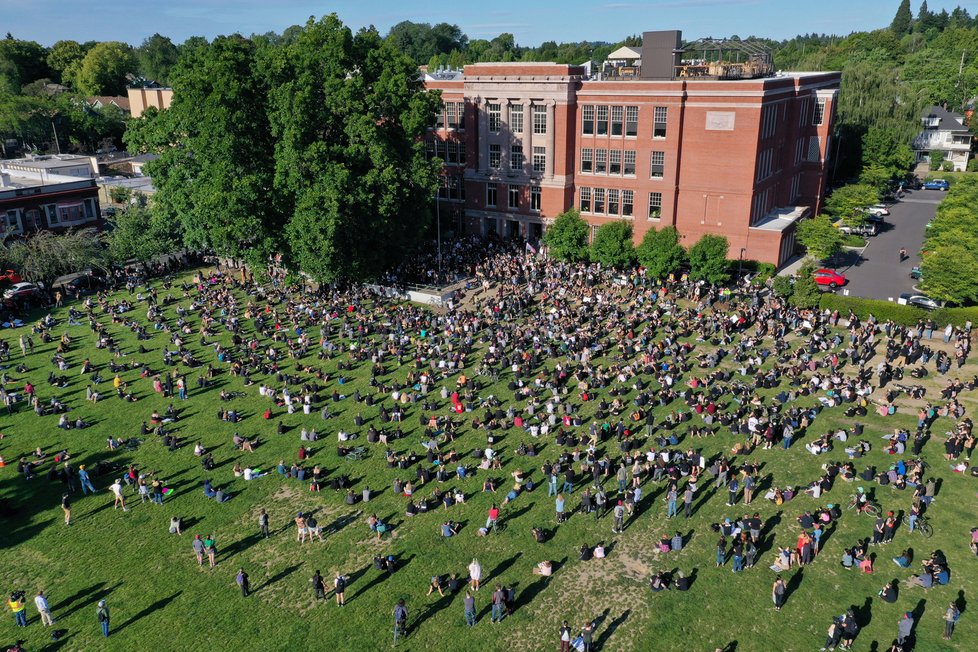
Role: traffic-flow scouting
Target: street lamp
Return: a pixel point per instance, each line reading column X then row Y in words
column 438, row 224
column 740, row 263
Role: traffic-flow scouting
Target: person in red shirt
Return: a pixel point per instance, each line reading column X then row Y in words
column 493, row 517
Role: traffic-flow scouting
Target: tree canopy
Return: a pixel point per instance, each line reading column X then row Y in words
column 566, row 238
column 708, row 259
column 660, row 252
column 820, row 237
column 848, row 203
column 612, row 246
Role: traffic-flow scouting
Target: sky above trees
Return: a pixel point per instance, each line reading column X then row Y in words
column 47, row 21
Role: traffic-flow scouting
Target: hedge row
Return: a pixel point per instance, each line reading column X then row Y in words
column 889, row 310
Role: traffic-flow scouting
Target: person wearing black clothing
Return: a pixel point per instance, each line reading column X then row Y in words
column 889, row 592
column 318, row 587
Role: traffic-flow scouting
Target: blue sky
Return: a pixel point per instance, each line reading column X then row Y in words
column 531, row 22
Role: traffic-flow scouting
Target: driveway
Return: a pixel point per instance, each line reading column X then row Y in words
column 875, row 271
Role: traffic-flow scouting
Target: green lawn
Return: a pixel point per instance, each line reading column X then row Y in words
column 161, row 600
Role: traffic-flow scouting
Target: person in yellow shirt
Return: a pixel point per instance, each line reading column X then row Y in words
column 116, row 382
column 18, row 608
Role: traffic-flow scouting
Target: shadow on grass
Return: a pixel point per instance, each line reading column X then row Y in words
column 599, row 643
column 156, row 606
column 281, row 575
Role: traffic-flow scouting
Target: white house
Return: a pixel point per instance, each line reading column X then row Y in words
column 944, row 131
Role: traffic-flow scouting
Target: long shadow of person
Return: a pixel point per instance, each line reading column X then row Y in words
column 156, row 606
column 600, row 642
column 793, row 584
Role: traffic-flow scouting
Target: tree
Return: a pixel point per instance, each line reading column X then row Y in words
column 950, row 273
column 612, row 246
column 903, row 19
column 46, row 255
column 885, row 147
column 137, row 236
column 936, row 159
column 660, row 252
column 820, row 237
column 566, row 238
column 805, row 293
column 156, row 57
column 782, row 286
column 848, row 203
column 105, row 69
column 64, row 59
column 120, row 194
column 21, row 62
column 213, row 177
column 348, row 114
column 708, row 259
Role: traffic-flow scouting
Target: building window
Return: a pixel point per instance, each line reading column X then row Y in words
column 631, row 121
column 602, row 121
column 594, row 232
column 627, row 203
column 818, row 113
column 539, row 119
column 516, row 157
column 460, row 109
column 450, row 113
column 431, row 149
column 599, row 200
column 655, row 205
column 452, row 153
column 461, row 152
column 658, row 168
column 659, row 122
column 494, row 117
column 612, row 202
column 51, row 210
column 614, row 161
column 513, row 197
column 494, row 156
column 539, row 159
column 588, row 120
column 587, row 163
column 534, row 198
column 516, row 118
column 814, row 150
column 491, row 194
column 600, row 161
column 617, row 115
column 13, row 220
column 585, row 200
column 629, row 162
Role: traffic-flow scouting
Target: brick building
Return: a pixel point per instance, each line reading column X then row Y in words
column 47, row 193
column 707, row 146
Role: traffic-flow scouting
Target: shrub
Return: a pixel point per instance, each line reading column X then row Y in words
column 882, row 310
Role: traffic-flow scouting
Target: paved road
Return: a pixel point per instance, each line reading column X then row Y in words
column 875, row 271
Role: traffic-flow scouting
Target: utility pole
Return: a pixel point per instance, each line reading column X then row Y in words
column 56, row 143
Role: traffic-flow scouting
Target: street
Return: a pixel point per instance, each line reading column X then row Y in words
column 875, row 272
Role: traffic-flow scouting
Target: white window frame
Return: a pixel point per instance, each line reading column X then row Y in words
column 657, row 160
column 516, row 118
column 655, row 205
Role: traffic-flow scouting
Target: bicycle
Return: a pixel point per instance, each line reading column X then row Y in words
column 868, row 508
column 921, row 525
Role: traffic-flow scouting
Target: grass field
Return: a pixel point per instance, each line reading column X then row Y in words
column 161, row 600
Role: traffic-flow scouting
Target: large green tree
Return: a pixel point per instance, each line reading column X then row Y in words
column 612, row 246
column 21, row 62
column 156, row 57
column 820, row 237
column 64, row 58
column 903, row 19
column 347, row 114
column 105, row 69
column 660, row 252
column 848, row 203
column 566, row 238
column 136, row 235
column 214, row 177
column 47, row 255
column 708, row 259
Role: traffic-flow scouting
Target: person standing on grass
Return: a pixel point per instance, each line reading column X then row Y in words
column 493, row 518
column 498, row 602
column 777, row 593
column 18, row 609
column 116, row 489
column 301, row 529
column 475, row 574
column 85, row 481
column 242, row 580
column 469, row 604
column 102, row 615
column 199, row 549
column 671, row 497
column 559, row 504
column 951, row 617
column 904, row 628
column 263, row 523
column 44, row 609
column 318, row 586
column 619, row 513
column 400, row 620
column 565, row 637
column 339, row 588
column 66, row 507
column 210, row 547
column 688, row 500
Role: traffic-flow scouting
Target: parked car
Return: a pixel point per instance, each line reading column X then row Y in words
column 865, row 230
column 916, row 273
column 918, row 301
column 876, row 218
column 936, row 184
column 10, row 276
column 829, row 278
column 21, row 290
column 878, row 209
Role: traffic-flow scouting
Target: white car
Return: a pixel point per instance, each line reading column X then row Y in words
column 21, row 290
column 878, row 209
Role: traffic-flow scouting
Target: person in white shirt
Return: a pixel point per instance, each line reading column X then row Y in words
column 44, row 609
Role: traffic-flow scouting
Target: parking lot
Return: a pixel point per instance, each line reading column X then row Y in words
column 876, row 272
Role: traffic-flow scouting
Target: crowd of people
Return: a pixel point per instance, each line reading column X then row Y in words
column 621, row 379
